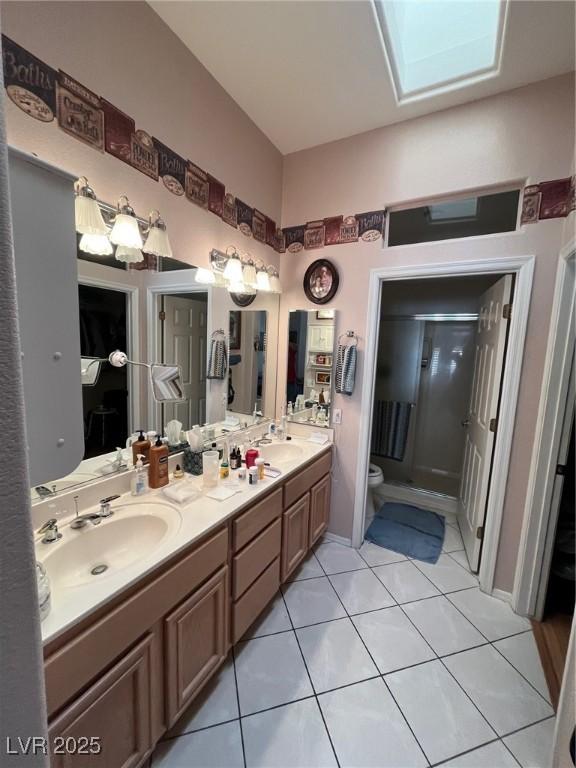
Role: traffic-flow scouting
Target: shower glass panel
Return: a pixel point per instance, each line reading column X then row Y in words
column 427, row 362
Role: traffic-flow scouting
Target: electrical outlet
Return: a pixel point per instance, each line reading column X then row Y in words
column 337, row 416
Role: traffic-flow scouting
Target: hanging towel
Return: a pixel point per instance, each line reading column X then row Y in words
column 345, row 368
column 218, row 359
column 390, row 429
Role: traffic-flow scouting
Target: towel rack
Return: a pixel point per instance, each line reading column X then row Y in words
column 349, row 335
column 217, row 332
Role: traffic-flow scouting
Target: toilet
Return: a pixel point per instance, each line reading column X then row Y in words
column 375, row 479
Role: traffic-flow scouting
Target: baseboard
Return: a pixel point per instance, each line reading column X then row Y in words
column 501, row 594
column 338, row 539
column 433, row 501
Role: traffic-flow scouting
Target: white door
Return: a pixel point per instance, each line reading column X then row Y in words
column 184, row 343
column 481, row 422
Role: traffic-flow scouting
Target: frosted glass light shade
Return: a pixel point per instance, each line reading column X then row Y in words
column 157, row 243
column 262, row 280
column 249, row 275
column 88, row 216
column 128, row 255
column 238, row 287
column 97, row 245
column 125, row 232
column 233, row 270
column 204, row 276
column 275, row 284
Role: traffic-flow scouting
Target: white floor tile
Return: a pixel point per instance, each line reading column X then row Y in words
column 461, row 558
column 293, row 736
column 493, row 617
column 367, row 728
column 375, row 555
column 270, row 671
column 392, row 640
column 446, row 574
column 493, row 755
column 337, row 558
column 312, row 601
column 502, row 695
column 405, row 582
column 274, row 619
column 335, row 655
column 452, row 540
column 532, row 747
column 310, row 568
column 443, row 719
column 217, row 747
column 216, row 703
column 522, row 652
column 361, row 591
column 443, row 626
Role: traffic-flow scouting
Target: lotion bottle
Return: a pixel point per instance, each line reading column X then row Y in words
column 158, row 469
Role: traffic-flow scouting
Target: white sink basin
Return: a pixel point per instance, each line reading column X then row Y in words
column 95, row 552
column 278, row 452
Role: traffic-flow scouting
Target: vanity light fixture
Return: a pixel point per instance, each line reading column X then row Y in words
column 157, row 242
column 249, row 274
column 87, row 212
column 205, row 276
column 274, row 279
column 129, row 255
column 97, row 245
column 233, row 268
column 125, row 231
column 262, row 279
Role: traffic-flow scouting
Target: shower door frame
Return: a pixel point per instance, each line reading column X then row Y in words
column 522, row 267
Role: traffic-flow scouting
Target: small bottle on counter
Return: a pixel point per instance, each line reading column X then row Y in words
column 259, row 464
column 253, row 475
column 178, row 473
column 224, row 470
column 138, row 481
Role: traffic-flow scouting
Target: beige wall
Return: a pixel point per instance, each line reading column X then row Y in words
column 124, row 52
column 523, row 135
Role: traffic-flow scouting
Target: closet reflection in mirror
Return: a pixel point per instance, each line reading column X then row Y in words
column 309, row 379
column 246, row 362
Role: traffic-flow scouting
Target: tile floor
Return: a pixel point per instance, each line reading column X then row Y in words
column 366, row 659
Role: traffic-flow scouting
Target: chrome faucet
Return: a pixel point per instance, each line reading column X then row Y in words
column 43, row 491
column 50, row 531
column 95, row 517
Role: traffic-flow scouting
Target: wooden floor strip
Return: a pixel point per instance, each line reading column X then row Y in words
column 552, row 636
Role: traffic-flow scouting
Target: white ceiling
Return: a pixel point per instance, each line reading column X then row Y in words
column 314, row 71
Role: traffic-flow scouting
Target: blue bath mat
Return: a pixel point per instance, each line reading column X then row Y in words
column 408, row 530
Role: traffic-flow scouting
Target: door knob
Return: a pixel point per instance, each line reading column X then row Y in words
column 465, row 422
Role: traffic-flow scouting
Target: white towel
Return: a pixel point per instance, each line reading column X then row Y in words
column 181, row 492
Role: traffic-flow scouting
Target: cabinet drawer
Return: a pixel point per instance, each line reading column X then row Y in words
column 250, row 523
column 79, row 661
column 196, row 642
column 116, row 711
column 255, row 599
column 302, row 483
column 254, row 558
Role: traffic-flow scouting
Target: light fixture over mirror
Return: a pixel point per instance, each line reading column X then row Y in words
column 87, row 212
column 126, row 231
column 157, row 242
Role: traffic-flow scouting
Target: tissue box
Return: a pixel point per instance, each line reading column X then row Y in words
column 192, row 461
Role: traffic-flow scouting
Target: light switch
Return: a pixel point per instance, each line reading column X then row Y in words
column 337, row 416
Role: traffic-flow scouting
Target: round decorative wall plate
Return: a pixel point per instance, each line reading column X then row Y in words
column 321, row 281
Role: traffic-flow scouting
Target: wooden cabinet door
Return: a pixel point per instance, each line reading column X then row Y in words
column 319, row 509
column 295, row 535
column 196, row 642
column 115, row 711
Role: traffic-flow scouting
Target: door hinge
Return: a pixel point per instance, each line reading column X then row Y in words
column 162, row 315
column 480, row 532
column 493, row 425
column 507, row 311
column 561, row 469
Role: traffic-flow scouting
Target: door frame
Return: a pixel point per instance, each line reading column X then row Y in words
column 100, row 276
column 538, row 516
column 168, row 283
column 523, row 269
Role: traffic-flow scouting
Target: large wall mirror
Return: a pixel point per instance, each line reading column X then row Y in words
column 310, row 365
column 164, row 316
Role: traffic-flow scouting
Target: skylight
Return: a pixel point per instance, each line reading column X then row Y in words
column 433, row 44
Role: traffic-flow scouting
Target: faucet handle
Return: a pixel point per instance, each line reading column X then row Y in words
column 49, row 525
column 105, row 509
column 50, row 531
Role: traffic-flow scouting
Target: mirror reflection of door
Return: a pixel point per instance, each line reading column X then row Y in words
column 184, row 330
column 105, row 405
column 247, row 361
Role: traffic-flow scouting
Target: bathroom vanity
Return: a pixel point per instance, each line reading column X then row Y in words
column 125, row 669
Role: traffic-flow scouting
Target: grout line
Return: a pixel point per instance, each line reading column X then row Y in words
column 238, row 704
column 311, row 681
column 520, row 673
column 470, row 751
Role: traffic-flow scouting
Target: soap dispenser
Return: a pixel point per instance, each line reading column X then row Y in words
column 158, row 469
column 141, row 446
column 138, row 482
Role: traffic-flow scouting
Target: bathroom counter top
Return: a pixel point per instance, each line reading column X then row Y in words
column 199, row 517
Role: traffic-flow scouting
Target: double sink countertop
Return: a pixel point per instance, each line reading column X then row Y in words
column 143, row 533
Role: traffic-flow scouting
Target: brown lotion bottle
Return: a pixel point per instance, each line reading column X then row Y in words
column 141, row 446
column 158, row 469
